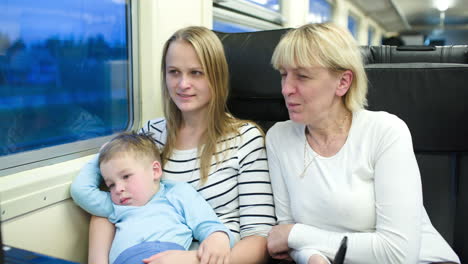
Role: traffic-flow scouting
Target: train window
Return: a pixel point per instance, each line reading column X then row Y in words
column 272, row 5
column 370, row 35
column 65, row 73
column 228, row 27
column 352, row 25
column 319, row 11
column 246, row 15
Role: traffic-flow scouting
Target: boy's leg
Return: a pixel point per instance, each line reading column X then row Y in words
column 144, row 250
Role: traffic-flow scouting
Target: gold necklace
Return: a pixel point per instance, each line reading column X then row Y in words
column 314, row 157
column 306, row 155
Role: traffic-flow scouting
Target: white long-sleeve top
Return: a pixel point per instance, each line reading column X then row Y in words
column 369, row 191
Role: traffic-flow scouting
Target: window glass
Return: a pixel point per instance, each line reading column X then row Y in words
column 352, row 25
column 319, row 11
column 246, row 15
column 64, row 72
column 272, row 5
column 231, row 27
column 370, row 35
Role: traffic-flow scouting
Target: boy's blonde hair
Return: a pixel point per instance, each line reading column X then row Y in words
column 140, row 145
column 329, row 46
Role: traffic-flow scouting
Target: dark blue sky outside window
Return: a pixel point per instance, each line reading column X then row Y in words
column 64, row 70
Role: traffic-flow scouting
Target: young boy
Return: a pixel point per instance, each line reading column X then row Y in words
column 150, row 216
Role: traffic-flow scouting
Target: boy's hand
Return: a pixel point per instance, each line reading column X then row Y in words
column 215, row 249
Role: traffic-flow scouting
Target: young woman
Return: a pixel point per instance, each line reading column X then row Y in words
column 222, row 157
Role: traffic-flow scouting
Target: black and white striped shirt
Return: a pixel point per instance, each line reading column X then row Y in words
column 238, row 188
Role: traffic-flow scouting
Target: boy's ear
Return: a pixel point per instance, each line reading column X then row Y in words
column 157, row 170
column 346, row 79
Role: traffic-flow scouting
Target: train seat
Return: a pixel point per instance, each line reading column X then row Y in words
column 424, row 86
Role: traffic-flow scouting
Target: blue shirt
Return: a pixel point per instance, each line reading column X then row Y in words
column 176, row 213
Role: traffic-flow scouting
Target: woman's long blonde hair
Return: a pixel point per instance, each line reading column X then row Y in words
column 210, row 52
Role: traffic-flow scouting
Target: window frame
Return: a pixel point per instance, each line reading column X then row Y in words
column 27, row 160
column 223, row 15
column 250, row 14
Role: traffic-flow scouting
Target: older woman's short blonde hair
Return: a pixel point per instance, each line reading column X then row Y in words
column 329, row 46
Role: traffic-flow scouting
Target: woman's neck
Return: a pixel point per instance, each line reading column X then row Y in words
column 191, row 131
column 326, row 137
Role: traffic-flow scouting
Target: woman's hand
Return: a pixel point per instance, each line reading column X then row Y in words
column 173, row 256
column 278, row 241
column 215, row 249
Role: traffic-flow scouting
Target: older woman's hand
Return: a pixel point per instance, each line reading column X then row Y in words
column 278, row 241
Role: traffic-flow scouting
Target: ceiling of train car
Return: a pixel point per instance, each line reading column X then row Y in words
column 418, row 15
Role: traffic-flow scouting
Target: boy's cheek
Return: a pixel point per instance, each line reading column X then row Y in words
column 114, row 198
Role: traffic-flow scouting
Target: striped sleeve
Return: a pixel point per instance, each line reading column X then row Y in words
column 157, row 129
column 256, row 206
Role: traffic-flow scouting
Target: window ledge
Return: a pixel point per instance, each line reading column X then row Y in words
column 30, row 190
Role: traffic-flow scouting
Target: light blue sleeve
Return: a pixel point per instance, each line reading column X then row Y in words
column 198, row 214
column 85, row 190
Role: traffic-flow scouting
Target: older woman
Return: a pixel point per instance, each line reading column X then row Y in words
column 338, row 170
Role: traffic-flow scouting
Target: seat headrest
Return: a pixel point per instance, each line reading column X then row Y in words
column 249, row 56
column 255, row 87
column 393, row 54
column 429, row 97
column 421, row 86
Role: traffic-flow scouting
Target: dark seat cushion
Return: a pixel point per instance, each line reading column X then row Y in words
column 429, row 97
